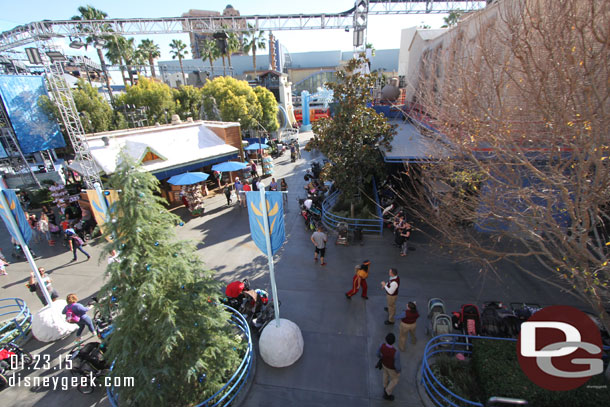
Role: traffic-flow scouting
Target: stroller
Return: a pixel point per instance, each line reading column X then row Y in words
column 439, row 322
column 88, row 361
column 498, row 321
column 342, row 234
column 467, row 320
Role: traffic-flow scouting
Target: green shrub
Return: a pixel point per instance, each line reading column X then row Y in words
column 40, row 197
column 499, row 374
column 458, row 376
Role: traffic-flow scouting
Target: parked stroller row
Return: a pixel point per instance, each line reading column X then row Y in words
column 495, row 320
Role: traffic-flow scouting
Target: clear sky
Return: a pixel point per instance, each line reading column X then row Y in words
column 383, row 31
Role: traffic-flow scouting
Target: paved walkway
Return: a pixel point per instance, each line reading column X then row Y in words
column 341, row 336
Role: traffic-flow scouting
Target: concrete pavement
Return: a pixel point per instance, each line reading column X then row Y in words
column 341, row 336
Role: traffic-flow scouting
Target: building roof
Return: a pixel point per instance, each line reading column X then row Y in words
column 172, row 146
column 319, row 59
column 427, row 35
column 410, row 145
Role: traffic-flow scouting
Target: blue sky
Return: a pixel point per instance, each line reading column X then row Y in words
column 384, row 31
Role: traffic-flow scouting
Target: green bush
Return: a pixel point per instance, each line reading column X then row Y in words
column 40, row 197
column 499, row 374
column 458, row 376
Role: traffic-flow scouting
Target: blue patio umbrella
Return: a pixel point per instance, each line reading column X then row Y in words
column 256, row 146
column 229, row 166
column 188, row 178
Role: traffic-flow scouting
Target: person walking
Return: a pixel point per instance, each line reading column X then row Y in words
column 408, row 325
column 227, row 192
column 3, row 264
column 253, row 169
column 75, row 243
column 319, row 239
column 284, row 189
column 405, row 233
column 390, row 364
column 43, row 227
column 48, row 284
column 359, row 280
column 79, row 316
column 246, row 188
column 391, row 291
column 239, row 190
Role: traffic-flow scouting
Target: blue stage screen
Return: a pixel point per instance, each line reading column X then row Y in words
column 35, row 131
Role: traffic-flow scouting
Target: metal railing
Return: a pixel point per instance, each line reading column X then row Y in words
column 330, row 220
column 449, row 344
column 227, row 394
column 15, row 317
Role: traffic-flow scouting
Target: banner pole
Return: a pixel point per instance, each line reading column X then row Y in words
column 13, row 224
column 276, row 305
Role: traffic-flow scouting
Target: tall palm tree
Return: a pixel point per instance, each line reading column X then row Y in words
column 130, row 57
column 179, row 51
column 90, row 13
column 151, row 51
column 115, row 52
column 209, row 51
column 233, row 45
column 254, row 40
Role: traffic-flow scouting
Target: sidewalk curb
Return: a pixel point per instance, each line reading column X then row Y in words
column 421, row 391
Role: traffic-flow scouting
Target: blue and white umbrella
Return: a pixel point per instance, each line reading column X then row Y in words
column 256, row 146
column 188, row 178
column 229, row 166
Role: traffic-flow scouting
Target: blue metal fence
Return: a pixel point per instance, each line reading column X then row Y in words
column 225, row 396
column 330, row 220
column 15, row 320
column 451, row 344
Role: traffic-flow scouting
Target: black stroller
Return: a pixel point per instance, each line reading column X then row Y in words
column 88, row 361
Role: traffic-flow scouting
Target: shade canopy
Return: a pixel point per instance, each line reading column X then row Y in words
column 256, row 146
column 188, row 178
column 229, row 166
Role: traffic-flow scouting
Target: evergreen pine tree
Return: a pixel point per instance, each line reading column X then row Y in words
column 171, row 335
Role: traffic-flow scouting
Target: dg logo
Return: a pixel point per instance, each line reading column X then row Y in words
column 560, row 348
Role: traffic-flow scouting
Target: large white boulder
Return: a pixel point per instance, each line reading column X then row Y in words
column 282, row 345
column 49, row 324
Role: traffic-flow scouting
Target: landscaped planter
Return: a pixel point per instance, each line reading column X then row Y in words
column 495, row 371
column 15, row 320
column 331, row 219
column 230, row 392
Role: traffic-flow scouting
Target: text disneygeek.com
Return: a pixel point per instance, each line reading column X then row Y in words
column 66, row 382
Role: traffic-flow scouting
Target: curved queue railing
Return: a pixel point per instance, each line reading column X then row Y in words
column 15, row 320
column 330, row 220
column 449, row 344
column 452, row 344
column 227, row 394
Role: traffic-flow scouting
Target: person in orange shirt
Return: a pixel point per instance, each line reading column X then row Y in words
column 359, row 280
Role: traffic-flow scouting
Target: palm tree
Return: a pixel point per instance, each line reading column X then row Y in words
column 233, row 45
column 128, row 48
column 150, row 50
column 115, row 52
column 254, row 40
column 90, row 13
column 179, row 51
column 209, row 51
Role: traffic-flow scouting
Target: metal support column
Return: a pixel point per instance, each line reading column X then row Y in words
column 62, row 96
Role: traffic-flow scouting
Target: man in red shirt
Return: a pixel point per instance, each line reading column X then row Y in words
column 408, row 325
column 390, row 361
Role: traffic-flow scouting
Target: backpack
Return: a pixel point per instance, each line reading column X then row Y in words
column 71, row 317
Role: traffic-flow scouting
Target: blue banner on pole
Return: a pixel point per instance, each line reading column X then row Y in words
column 18, row 214
column 275, row 214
